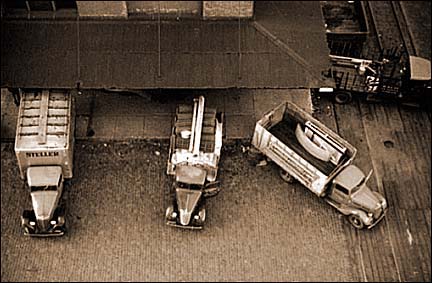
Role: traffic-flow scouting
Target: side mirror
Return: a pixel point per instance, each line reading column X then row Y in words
column 368, row 176
column 212, row 184
column 211, row 189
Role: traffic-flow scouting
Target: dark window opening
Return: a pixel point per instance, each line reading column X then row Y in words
column 10, row 4
column 41, row 5
column 66, row 4
column 342, row 189
column 43, row 188
column 36, row 9
column 60, row 181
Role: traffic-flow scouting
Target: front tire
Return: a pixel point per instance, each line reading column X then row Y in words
column 201, row 217
column 356, row 221
column 169, row 213
column 343, row 97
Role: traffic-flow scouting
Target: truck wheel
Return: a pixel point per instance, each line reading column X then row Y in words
column 202, row 214
column 342, row 97
column 286, row 176
column 25, row 222
column 356, row 221
column 169, row 213
column 200, row 217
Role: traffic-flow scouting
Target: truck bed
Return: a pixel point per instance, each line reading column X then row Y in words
column 183, row 121
column 44, row 121
column 344, row 17
column 45, row 130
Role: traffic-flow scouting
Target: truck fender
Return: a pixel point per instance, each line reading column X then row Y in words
column 363, row 216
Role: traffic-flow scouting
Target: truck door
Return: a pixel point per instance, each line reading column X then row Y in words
column 339, row 194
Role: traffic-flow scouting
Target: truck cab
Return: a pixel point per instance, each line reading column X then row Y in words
column 417, row 81
column 350, row 194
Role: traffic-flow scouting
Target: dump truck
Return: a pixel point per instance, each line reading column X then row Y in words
column 380, row 80
column 194, row 153
column 309, row 152
column 44, row 149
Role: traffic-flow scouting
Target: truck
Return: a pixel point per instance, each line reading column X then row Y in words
column 380, row 80
column 347, row 27
column 194, row 153
column 309, row 152
column 44, row 144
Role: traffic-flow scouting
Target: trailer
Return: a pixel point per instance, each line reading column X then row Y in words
column 44, row 149
column 309, row 152
column 194, row 153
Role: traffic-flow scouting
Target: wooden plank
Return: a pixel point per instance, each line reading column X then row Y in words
column 412, row 240
column 399, row 145
column 373, row 249
column 43, row 117
column 324, row 111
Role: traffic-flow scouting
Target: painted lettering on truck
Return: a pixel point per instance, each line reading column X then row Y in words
column 42, row 154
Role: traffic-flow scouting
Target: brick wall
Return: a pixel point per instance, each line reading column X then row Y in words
column 227, row 9
column 174, row 8
column 106, row 9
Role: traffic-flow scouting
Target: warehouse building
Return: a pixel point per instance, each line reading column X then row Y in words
column 162, row 44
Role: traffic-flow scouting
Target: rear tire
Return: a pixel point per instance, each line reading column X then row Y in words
column 286, row 176
column 342, row 97
column 356, row 221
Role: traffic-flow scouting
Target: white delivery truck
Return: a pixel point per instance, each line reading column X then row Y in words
column 319, row 159
column 44, row 149
column 194, row 153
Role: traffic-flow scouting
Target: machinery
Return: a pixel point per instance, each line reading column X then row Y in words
column 319, row 159
column 195, row 148
column 380, row 80
column 44, row 149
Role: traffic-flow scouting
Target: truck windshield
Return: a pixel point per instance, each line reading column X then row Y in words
column 43, row 188
column 188, row 186
column 357, row 188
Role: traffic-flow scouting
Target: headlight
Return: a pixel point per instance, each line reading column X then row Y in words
column 174, row 214
column 370, row 215
column 384, row 203
column 196, row 217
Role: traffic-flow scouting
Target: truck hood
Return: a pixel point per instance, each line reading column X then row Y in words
column 365, row 198
column 186, row 203
column 44, row 204
column 420, row 69
column 43, row 175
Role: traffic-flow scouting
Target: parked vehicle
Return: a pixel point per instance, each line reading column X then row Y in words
column 195, row 148
column 346, row 25
column 319, row 159
column 44, row 149
column 378, row 81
